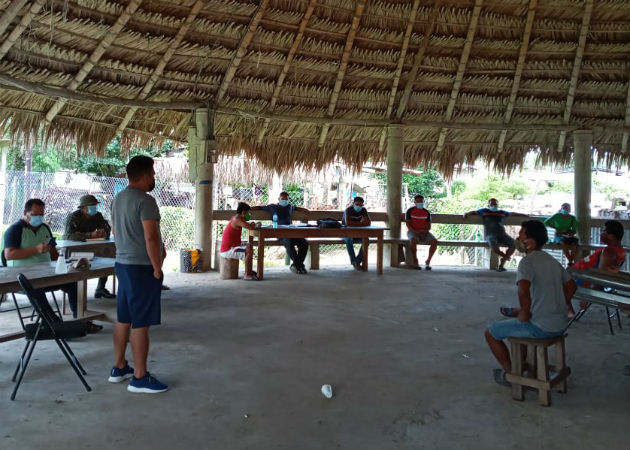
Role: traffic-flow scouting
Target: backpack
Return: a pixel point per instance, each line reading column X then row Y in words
column 328, row 223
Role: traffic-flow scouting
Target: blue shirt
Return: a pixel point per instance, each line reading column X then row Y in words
column 493, row 221
column 285, row 213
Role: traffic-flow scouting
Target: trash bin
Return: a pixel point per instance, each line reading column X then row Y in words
column 189, row 260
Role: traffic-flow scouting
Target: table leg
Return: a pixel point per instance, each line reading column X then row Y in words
column 81, row 298
column 365, row 245
column 379, row 254
column 261, row 257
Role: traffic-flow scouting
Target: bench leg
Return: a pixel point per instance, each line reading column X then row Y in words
column 517, row 369
column 542, row 372
column 561, row 364
column 314, row 251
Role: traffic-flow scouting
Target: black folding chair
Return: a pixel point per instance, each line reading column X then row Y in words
column 47, row 326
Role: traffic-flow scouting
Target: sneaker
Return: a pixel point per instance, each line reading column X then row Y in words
column 146, row 385
column 302, row 270
column 117, row 375
column 293, row 269
column 102, row 292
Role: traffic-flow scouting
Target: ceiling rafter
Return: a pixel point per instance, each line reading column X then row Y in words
column 161, row 65
column 95, row 57
column 241, row 50
column 285, row 68
column 461, row 69
column 527, row 33
column 399, row 67
column 358, row 12
column 15, row 34
column 9, row 14
column 575, row 72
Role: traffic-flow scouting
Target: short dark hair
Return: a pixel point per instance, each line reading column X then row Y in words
column 284, row 193
column 615, row 228
column 36, row 201
column 139, row 165
column 536, row 230
column 242, row 206
column 358, row 199
column 491, row 199
column 419, row 196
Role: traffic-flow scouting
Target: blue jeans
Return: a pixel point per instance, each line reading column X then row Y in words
column 350, row 247
column 504, row 329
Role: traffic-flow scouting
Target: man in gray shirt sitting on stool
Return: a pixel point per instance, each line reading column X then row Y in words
column 545, row 290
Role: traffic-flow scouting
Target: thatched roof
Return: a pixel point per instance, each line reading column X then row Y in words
column 310, row 81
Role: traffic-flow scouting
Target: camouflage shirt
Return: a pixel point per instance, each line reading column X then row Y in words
column 80, row 228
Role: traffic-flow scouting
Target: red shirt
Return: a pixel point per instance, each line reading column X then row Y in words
column 420, row 218
column 231, row 236
column 592, row 260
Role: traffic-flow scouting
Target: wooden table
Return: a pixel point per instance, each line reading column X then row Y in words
column 43, row 275
column 297, row 232
column 105, row 248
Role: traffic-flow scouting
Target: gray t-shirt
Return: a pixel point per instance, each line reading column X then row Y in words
column 129, row 208
column 549, row 310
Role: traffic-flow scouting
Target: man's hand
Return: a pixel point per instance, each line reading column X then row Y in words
column 97, row 234
column 157, row 274
column 524, row 315
column 465, row 216
column 42, row 248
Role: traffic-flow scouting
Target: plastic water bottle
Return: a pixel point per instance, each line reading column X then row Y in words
column 275, row 220
column 61, row 266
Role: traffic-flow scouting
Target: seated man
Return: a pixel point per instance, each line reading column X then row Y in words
column 565, row 225
column 87, row 223
column 418, row 220
column 231, row 244
column 284, row 211
column 30, row 241
column 494, row 230
column 355, row 216
column 545, row 290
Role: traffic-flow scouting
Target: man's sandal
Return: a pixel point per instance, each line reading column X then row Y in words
column 93, row 328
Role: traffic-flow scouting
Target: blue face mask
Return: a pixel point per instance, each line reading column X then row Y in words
column 493, row 208
column 92, row 210
column 565, row 211
column 283, row 202
column 357, row 208
column 419, row 205
column 36, row 221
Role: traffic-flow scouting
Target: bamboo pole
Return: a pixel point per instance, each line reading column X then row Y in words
column 9, row 14
column 582, row 158
column 575, row 71
column 20, row 27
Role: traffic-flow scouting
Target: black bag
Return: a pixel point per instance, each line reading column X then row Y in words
column 328, row 223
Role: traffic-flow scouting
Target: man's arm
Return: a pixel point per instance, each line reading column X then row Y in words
column 470, row 213
column 104, row 225
column 569, row 288
column 154, row 245
column 516, row 214
column 525, row 300
column 21, row 253
column 243, row 224
column 303, row 210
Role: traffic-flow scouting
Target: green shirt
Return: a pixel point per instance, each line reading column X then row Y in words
column 79, row 228
column 20, row 235
column 562, row 223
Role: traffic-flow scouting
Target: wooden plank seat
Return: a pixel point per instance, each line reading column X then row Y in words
column 536, row 372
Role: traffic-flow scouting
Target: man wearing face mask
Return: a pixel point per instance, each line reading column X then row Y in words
column 30, row 241
column 296, row 248
column 545, row 290
column 88, row 223
column 418, row 220
column 565, row 225
column 494, row 230
column 232, row 247
column 355, row 216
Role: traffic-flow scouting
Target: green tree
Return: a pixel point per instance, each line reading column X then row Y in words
column 430, row 183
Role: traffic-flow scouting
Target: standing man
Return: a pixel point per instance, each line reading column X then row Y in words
column 88, row 223
column 565, row 225
column 494, row 230
column 418, row 220
column 296, row 248
column 545, row 290
column 139, row 257
column 355, row 216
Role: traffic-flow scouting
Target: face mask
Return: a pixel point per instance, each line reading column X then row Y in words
column 520, row 246
column 357, row 208
column 493, row 208
column 283, row 202
column 419, row 205
column 248, row 216
column 36, row 221
column 92, row 210
column 565, row 211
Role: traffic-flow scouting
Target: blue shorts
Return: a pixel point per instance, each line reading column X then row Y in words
column 504, row 329
column 503, row 240
column 139, row 295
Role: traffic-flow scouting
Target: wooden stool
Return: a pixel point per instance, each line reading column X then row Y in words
column 538, row 367
column 229, row 269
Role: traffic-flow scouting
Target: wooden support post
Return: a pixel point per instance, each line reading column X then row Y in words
column 394, row 186
column 204, row 186
column 582, row 158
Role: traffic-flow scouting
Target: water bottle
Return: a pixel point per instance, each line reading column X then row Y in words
column 61, row 266
column 275, row 220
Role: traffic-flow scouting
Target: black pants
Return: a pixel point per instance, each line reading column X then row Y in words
column 71, row 290
column 101, row 283
column 298, row 256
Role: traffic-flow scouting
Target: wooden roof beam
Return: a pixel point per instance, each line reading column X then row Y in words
column 161, row 65
column 527, row 33
column 15, row 34
column 358, row 12
column 9, row 14
column 575, row 72
column 285, row 68
column 241, row 50
column 399, row 67
column 95, row 56
column 461, row 69
column 413, row 73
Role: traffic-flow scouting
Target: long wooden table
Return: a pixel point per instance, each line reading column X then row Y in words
column 297, row 232
column 43, row 275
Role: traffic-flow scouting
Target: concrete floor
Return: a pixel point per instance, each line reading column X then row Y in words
column 245, row 361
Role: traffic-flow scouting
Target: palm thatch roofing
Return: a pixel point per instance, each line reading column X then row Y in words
column 308, row 82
